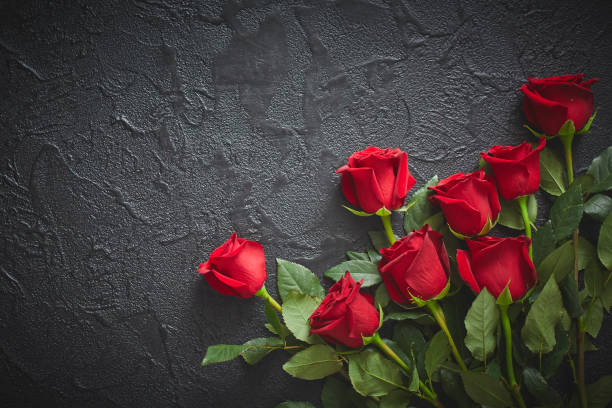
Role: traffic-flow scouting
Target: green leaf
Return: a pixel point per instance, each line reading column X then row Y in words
column 421, row 208
column 357, row 256
column 408, row 316
column 552, row 360
column 222, row 352
column 604, row 243
column 292, row 276
column 486, row 390
column 600, row 393
column 593, row 319
column 606, row 294
column 359, row 270
column 295, row 404
column 553, row 176
column 559, row 263
column 274, row 321
column 571, row 297
column 566, row 213
column 438, row 351
column 374, row 256
column 372, row 375
column 586, row 253
column 296, row 312
column 453, row 387
column 358, row 212
column 543, row 242
column 598, row 207
column 481, row 325
column 339, row 394
column 538, row 333
column 510, row 215
column 396, row 399
column 594, row 279
column 538, row 387
column 567, row 129
column 259, row 348
column 314, row 363
column 381, row 296
column 411, row 341
column 601, row 170
column 379, row 239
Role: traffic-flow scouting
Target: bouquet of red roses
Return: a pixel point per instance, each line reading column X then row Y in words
column 478, row 319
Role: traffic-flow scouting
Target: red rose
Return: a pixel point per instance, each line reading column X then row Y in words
column 469, row 202
column 416, row 265
column 236, row 268
column 345, row 314
column 550, row 102
column 493, row 263
column 375, row 178
column 516, row 168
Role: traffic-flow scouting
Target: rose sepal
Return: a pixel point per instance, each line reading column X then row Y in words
column 407, row 207
column 421, row 303
column 383, row 212
column 538, row 134
column 485, row 228
column 358, row 212
column 368, row 340
column 587, row 126
column 505, row 298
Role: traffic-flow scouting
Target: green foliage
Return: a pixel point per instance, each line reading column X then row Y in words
column 601, row 171
column 395, row 399
column 314, row 363
column 538, row 333
column 604, row 244
column 543, row 242
column 379, row 239
column 359, row 270
column 295, row 404
column 339, row 394
column 600, row 392
column 510, row 215
column 452, row 385
column 296, row 312
column 552, row 360
column 593, row 318
column 222, row 352
column 259, row 348
column 553, row 176
column 598, row 207
column 292, row 276
column 274, row 321
column 372, row 375
column 481, row 324
column 559, row 263
column 538, row 387
column 566, row 213
column 420, row 207
column 438, row 351
column 409, row 315
column 486, row 390
column 410, row 339
column 381, row 296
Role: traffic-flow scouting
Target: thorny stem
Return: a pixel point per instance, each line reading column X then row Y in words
column 438, row 314
column 263, row 293
column 509, row 363
column 386, row 220
column 522, row 202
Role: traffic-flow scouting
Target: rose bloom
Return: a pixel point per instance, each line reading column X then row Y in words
column 550, row 102
column 469, row 202
column 376, row 178
column 516, row 168
column 493, row 263
column 415, row 265
column 236, row 268
column 345, row 314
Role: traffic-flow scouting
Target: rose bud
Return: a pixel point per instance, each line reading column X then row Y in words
column 415, row 266
column 345, row 314
column 376, row 178
column 550, row 102
column 236, row 268
column 516, row 168
column 469, row 202
column 493, row 263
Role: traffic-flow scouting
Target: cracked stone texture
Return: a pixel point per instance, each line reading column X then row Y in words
column 136, row 136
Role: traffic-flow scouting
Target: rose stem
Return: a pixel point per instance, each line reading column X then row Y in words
column 509, row 365
column 263, row 293
column 438, row 314
column 522, row 202
column 429, row 394
column 566, row 141
column 386, row 220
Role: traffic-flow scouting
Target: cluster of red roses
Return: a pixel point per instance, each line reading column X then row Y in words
column 416, row 268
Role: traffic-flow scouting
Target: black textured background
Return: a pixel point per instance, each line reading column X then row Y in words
column 136, row 135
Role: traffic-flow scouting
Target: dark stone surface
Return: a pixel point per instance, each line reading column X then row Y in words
column 135, row 136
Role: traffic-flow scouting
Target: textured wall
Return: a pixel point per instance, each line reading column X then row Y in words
column 136, row 135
